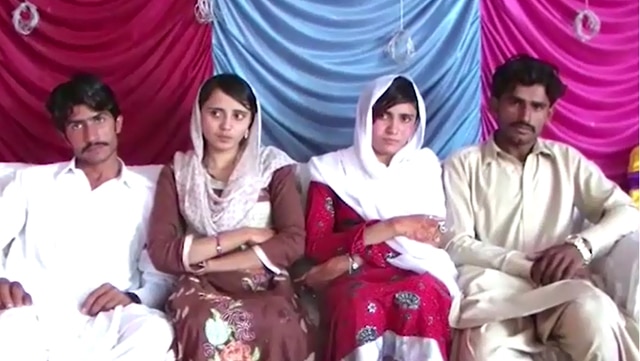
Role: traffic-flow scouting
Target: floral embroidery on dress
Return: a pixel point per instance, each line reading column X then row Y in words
column 407, row 300
column 389, row 255
column 284, row 316
column 185, row 312
column 371, row 307
column 228, row 332
column 366, row 334
column 328, row 205
column 256, row 281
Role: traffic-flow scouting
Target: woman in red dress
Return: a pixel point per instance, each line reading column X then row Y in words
column 374, row 220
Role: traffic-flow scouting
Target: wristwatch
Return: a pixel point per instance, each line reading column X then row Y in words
column 582, row 245
column 133, row 297
column 353, row 265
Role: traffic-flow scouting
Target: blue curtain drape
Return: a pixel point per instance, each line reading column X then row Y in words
column 308, row 61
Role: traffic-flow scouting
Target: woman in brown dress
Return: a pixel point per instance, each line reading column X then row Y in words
column 227, row 220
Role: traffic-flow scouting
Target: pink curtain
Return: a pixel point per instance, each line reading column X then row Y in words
column 152, row 53
column 599, row 113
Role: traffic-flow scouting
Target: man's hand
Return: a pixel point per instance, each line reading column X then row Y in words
column 104, row 298
column 12, row 295
column 319, row 276
column 557, row 263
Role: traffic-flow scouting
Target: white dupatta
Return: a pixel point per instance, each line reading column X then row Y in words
column 411, row 184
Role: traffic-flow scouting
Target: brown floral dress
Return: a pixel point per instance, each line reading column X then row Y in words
column 241, row 315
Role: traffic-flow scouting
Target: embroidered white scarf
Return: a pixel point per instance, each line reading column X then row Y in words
column 208, row 213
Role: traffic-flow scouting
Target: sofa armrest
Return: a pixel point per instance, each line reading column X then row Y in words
column 619, row 272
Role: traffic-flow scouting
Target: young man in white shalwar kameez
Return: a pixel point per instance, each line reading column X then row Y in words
column 522, row 259
column 77, row 283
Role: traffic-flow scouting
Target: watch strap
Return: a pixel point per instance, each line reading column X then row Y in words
column 581, row 246
column 133, row 297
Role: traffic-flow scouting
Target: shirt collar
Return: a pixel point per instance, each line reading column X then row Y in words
column 127, row 176
column 491, row 152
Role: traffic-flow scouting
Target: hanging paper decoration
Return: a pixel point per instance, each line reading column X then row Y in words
column 25, row 18
column 204, row 11
column 586, row 24
column 401, row 47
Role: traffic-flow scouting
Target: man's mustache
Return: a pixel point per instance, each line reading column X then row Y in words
column 523, row 124
column 94, row 144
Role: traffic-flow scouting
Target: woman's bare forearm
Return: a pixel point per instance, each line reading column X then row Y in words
column 236, row 261
column 380, row 232
column 205, row 248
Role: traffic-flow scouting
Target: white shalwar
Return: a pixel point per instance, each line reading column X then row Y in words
column 65, row 240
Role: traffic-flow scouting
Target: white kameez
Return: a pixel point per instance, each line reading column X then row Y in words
column 65, row 240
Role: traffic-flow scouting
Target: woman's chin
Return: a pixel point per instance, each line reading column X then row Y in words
column 222, row 147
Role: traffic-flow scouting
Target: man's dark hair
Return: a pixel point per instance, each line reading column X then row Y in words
column 81, row 89
column 526, row 70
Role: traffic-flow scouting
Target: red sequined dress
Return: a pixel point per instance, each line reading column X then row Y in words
column 378, row 301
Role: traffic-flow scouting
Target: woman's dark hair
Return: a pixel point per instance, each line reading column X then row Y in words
column 233, row 86
column 81, row 89
column 526, row 70
column 400, row 91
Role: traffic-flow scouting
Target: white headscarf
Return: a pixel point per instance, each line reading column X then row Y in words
column 411, row 184
column 205, row 211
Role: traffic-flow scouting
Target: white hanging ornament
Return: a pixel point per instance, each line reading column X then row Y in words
column 25, row 18
column 204, row 11
column 401, row 47
column 586, row 25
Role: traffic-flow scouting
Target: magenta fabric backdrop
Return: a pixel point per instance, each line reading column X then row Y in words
column 599, row 113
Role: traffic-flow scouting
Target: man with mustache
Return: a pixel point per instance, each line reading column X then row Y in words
column 77, row 283
column 523, row 263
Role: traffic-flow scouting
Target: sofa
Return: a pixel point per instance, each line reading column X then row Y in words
column 619, row 268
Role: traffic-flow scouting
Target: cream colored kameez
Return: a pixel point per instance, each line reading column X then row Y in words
column 501, row 211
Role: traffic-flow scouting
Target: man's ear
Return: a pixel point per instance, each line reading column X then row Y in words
column 493, row 106
column 119, row 121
